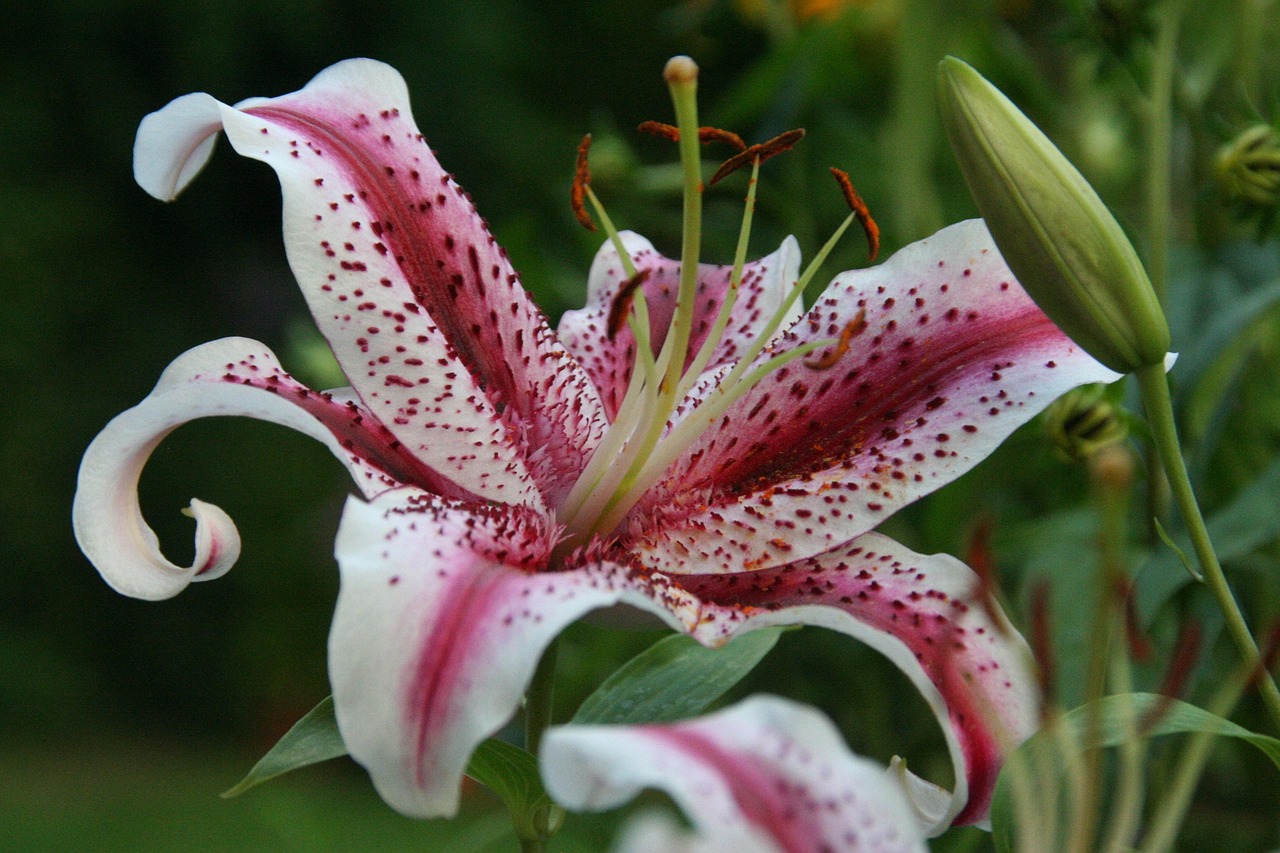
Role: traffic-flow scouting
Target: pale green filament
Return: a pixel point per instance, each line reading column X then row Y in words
column 642, row 374
column 741, row 378
column 634, row 454
column 708, row 349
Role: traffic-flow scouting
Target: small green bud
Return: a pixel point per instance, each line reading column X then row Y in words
column 1082, row 422
column 1248, row 167
column 1059, row 239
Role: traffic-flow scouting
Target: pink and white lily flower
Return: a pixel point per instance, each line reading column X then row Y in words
column 515, row 478
column 764, row 776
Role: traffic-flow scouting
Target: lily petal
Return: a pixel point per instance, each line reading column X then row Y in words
column 953, row 357
column 420, row 305
column 584, row 332
column 764, row 775
column 440, row 622
column 232, row 376
column 922, row 613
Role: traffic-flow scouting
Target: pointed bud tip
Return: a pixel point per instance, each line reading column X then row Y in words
column 1057, row 236
column 680, row 69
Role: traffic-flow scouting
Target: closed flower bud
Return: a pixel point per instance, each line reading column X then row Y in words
column 1082, row 422
column 1059, row 239
column 1248, row 167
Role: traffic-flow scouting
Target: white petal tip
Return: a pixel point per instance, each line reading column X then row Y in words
column 174, row 143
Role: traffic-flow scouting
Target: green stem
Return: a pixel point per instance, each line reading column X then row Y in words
column 538, row 703
column 539, row 699
column 1159, row 194
column 1159, row 408
column 1161, row 834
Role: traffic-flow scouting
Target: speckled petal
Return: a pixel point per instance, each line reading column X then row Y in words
column 420, row 305
column 764, row 775
column 233, row 376
column 441, row 620
column 922, row 612
column 953, row 358
column 584, row 332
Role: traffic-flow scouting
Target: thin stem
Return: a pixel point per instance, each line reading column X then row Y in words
column 539, row 700
column 1159, row 194
column 538, row 703
column 1162, row 833
column 1159, row 408
column 1126, row 810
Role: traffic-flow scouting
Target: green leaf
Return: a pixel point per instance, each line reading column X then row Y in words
column 508, row 771
column 1225, row 326
column 1113, row 715
column 674, row 679
column 1249, row 521
column 312, row 739
column 1173, row 546
column 512, row 774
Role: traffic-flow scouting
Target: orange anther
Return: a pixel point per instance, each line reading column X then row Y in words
column 859, row 208
column 705, row 134
column 582, row 180
column 657, row 128
column 621, row 305
column 852, row 329
column 715, row 134
column 761, row 151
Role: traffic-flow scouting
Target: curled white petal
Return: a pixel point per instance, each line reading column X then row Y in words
column 106, row 515
column 175, row 143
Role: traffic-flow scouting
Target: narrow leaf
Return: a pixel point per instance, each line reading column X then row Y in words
column 1251, row 520
column 1173, row 546
column 512, row 774
column 1225, row 326
column 312, row 739
column 674, row 679
column 1114, row 716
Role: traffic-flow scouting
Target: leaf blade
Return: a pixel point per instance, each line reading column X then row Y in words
column 674, row 679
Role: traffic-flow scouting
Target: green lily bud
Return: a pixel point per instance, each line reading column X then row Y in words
column 1082, row 422
column 1059, row 239
column 1248, row 167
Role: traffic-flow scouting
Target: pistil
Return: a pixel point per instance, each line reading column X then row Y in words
column 647, row 436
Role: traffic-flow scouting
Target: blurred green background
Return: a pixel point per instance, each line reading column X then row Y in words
column 120, row 721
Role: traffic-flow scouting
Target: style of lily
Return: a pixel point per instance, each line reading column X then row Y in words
column 764, row 776
column 719, row 459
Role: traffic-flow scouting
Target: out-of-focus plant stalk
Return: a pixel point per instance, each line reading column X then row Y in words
column 1159, row 199
column 1159, row 195
column 1162, row 832
column 1159, row 408
column 1111, row 470
column 538, row 704
column 1130, row 790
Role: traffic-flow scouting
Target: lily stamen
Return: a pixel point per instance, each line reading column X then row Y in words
column 620, row 310
column 762, row 151
column 851, row 330
column 581, row 184
column 860, row 210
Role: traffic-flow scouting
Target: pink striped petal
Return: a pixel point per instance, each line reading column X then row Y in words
column 441, row 620
column 584, row 332
column 764, row 775
column 233, row 376
column 921, row 612
column 420, row 305
column 953, row 358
